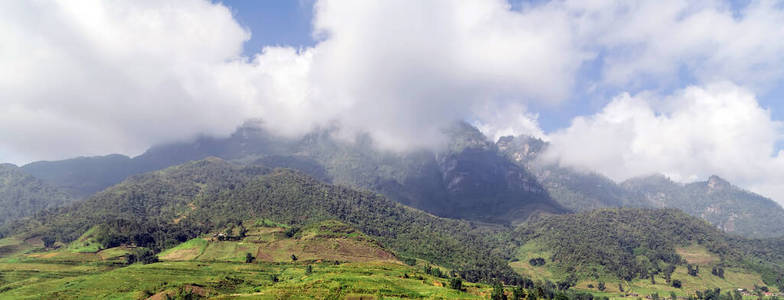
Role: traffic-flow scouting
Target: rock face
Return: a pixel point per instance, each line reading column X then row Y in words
column 481, row 180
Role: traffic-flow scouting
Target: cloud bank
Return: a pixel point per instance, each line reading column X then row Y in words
column 689, row 135
column 92, row 77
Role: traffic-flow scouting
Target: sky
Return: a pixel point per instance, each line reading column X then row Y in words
column 688, row 89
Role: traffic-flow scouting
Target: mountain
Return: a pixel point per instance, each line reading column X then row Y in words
column 575, row 190
column 84, row 176
column 180, row 211
column 23, row 195
column 722, row 204
column 161, row 209
column 728, row 207
column 469, row 179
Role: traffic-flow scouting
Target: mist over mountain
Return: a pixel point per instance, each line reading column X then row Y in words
column 470, row 178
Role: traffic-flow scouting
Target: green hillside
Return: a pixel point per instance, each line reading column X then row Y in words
column 23, row 195
column 469, row 179
column 727, row 207
column 643, row 249
column 162, row 209
column 33, row 272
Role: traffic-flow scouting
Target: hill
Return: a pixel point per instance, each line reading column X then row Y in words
column 728, row 207
column 639, row 247
column 356, row 268
column 209, row 215
column 722, row 204
column 23, row 195
column 161, row 209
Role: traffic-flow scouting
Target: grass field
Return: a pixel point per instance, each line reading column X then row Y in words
column 694, row 254
column 227, row 280
column 344, row 264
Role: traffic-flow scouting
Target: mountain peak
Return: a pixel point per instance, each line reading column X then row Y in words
column 462, row 135
column 521, row 149
column 715, row 182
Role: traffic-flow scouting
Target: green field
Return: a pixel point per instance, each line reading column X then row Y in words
column 229, row 281
column 343, row 264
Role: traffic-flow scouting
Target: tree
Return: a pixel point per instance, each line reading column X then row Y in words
column 498, row 291
column 249, row 258
column 537, row 261
column 518, row 293
column 292, row 231
column 718, row 271
column 48, row 241
column 309, row 270
column 693, row 271
column 668, row 272
column 243, row 232
column 456, row 284
column 673, row 296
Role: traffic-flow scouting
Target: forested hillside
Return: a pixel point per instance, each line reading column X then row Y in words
column 23, row 195
column 728, row 207
column 161, row 209
column 468, row 179
column 640, row 243
column 715, row 200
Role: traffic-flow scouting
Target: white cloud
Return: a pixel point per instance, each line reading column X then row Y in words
column 98, row 77
column 404, row 69
column 658, row 42
column 689, row 135
column 93, row 77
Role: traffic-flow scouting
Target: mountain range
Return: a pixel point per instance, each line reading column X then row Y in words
column 471, row 178
column 486, row 212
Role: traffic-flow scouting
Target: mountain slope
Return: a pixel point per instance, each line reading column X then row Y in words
column 635, row 244
column 470, row 179
column 23, row 195
column 726, row 206
column 164, row 208
column 717, row 201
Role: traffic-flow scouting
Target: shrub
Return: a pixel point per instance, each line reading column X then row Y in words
column 456, row 284
column 677, row 284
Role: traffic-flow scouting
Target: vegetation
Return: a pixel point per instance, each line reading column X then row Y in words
column 642, row 244
column 162, row 209
column 23, row 195
column 715, row 200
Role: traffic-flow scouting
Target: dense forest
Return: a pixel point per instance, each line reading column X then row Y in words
column 23, row 195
